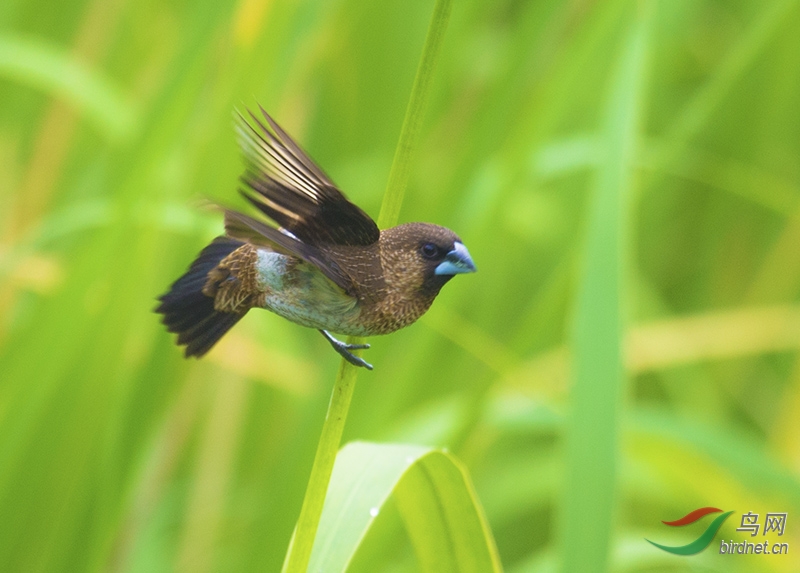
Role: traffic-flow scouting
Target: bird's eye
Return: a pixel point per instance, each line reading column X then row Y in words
column 430, row 251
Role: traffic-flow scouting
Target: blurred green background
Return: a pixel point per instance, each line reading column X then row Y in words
column 638, row 159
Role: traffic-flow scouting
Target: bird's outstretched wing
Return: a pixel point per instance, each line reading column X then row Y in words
column 247, row 229
column 287, row 186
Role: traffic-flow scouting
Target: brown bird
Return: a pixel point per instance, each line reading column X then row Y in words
column 327, row 266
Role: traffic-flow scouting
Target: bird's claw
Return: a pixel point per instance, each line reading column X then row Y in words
column 344, row 350
column 354, row 360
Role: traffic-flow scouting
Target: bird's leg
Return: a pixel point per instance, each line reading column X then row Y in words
column 344, row 349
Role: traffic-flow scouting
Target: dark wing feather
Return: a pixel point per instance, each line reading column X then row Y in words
column 294, row 192
column 246, row 228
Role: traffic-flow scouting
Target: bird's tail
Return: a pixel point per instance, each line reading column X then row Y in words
column 188, row 312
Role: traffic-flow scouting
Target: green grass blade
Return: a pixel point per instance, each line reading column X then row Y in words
column 302, row 542
column 409, row 135
column 597, row 329
column 433, row 494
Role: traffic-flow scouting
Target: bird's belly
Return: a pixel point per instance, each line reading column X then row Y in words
column 316, row 314
column 299, row 292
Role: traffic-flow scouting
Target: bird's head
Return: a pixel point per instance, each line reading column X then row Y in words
column 422, row 257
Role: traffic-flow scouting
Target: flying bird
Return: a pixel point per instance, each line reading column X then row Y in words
column 324, row 265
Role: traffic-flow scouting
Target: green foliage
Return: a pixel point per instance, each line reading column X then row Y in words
column 625, row 174
column 433, row 495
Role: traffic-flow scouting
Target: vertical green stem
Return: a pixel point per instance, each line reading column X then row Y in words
column 404, row 154
column 597, row 393
column 299, row 552
column 303, row 541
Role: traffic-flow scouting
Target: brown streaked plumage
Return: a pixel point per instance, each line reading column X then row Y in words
column 242, row 292
column 326, row 265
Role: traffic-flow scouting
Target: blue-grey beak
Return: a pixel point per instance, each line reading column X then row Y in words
column 456, row 262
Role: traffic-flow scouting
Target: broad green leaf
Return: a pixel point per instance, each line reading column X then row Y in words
column 435, row 498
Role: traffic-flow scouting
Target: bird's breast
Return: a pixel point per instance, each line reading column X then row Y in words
column 300, row 292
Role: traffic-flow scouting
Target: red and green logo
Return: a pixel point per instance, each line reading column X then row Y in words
column 701, row 542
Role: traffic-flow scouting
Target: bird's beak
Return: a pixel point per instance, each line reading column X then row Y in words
column 456, row 262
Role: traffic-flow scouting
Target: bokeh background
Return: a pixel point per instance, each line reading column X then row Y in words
column 116, row 454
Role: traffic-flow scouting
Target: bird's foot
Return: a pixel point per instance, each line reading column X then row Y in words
column 344, row 350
